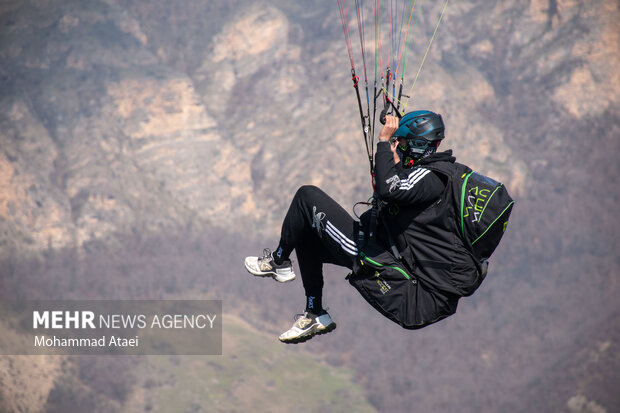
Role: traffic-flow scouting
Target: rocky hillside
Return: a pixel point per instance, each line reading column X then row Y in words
column 120, row 118
column 109, row 124
column 128, row 115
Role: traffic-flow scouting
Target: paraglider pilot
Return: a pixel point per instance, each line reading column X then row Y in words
column 410, row 180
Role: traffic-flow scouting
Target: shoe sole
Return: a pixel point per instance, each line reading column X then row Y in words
column 267, row 274
column 307, row 337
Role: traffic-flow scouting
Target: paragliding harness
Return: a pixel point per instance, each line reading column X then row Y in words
column 475, row 207
column 381, row 276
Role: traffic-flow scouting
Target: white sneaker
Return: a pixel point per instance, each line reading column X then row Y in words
column 306, row 326
column 265, row 266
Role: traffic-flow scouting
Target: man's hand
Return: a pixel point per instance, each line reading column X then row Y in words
column 388, row 130
column 390, row 127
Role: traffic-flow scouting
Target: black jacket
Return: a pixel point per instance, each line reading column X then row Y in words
column 418, row 207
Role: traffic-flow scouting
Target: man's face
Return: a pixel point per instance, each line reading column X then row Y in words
column 401, row 146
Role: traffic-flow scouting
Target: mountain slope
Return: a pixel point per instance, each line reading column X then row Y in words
column 146, row 146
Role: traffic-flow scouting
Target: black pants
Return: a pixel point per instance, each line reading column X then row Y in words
column 320, row 231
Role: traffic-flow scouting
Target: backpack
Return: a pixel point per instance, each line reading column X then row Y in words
column 484, row 208
column 476, row 209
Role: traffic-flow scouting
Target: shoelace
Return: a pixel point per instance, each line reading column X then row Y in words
column 305, row 314
column 300, row 315
column 301, row 320
column 267, row 255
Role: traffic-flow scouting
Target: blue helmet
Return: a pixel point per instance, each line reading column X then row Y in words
column 423, row 131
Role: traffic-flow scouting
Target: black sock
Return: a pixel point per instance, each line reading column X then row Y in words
column 314, row 304
column 282, row 253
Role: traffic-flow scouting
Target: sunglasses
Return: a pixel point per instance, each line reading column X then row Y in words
column 418, row 143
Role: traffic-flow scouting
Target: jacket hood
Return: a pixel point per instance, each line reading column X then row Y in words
column 445, row 156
